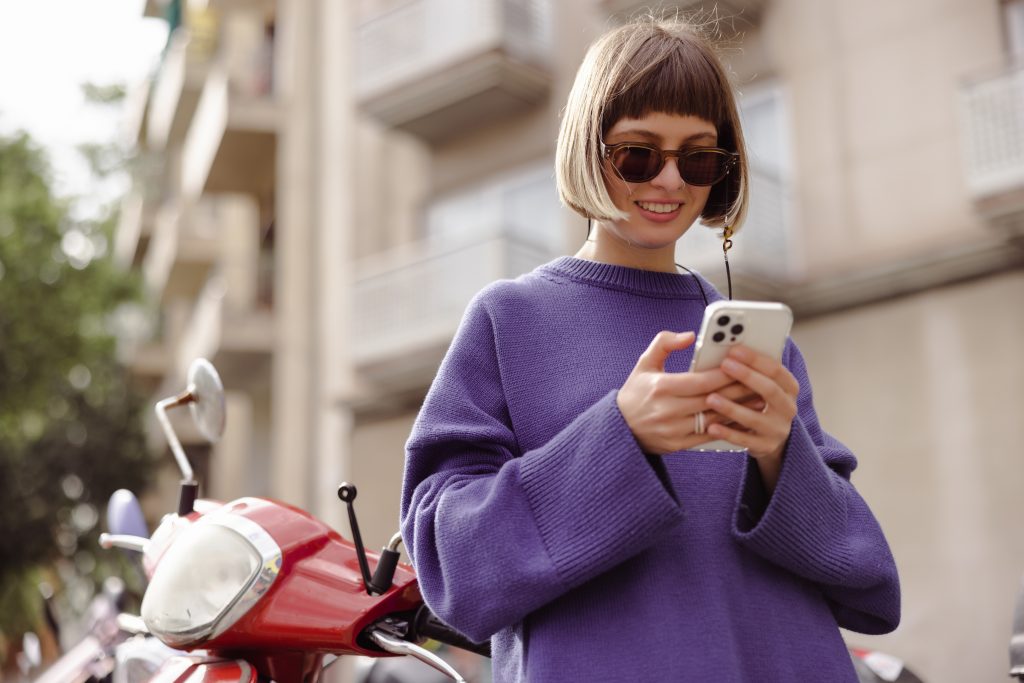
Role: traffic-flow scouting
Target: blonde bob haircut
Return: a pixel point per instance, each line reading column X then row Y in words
column 647, row 66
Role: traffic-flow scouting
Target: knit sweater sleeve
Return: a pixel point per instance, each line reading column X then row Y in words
column 816, row 525
column 495, row 533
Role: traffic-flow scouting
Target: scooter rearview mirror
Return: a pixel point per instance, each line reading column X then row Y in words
column 124, row 515
column 207, row 405
column 205, row 398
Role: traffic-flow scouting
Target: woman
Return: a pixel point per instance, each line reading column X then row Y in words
column 551, row 500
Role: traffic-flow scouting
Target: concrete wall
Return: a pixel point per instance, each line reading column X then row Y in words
column 926, row 392
column 874, row 103
column 378, row 455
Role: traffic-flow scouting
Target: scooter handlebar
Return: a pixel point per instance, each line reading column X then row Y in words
column 426, row 625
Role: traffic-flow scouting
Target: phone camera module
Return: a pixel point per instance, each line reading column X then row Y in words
column 723, row 320
column 718, row 337
column 737, row 329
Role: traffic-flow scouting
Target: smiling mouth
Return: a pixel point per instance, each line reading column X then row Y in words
column 654, row 207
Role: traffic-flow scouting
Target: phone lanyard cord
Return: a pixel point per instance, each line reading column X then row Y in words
column 726, row 246
column 696, row 279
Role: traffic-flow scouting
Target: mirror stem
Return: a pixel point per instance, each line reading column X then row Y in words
column 187, row 475
column 189, row 485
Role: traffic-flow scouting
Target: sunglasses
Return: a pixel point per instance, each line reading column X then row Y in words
column 636, row 162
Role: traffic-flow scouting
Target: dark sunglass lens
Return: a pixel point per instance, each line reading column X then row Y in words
column 703, row 168
column 636, row 164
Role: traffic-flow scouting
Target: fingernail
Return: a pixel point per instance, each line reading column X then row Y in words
column 714, row 400
column 730, row 364
column 740, row 352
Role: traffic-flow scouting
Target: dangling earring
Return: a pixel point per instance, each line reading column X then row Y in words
column 726, row 246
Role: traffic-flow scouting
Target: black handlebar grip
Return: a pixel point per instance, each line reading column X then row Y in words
column 427, row 625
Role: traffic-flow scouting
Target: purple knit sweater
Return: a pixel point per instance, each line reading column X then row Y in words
column 534, row 519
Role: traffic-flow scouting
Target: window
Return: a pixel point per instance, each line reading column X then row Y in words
column 1013, row 21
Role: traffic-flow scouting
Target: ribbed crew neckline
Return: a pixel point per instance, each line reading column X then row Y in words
column 634, row 280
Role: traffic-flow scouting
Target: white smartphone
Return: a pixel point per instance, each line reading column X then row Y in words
column 760, row 325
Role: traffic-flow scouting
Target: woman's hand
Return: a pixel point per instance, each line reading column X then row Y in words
column 763, row 432
column 660, row 406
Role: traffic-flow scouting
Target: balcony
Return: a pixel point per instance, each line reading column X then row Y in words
column 134, row 228
column 408, row 301
column 231, row 144
column 238, row 340
column 141, row 345
column 749, row 10
column 993, row 116
column 134, row 127
column 183, row 250
column 436, row 68
column 405, row 315
column 177, row 89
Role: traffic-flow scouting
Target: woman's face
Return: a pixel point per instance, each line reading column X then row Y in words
column 662, row 209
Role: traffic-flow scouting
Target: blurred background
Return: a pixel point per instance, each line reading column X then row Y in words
column 308, row 193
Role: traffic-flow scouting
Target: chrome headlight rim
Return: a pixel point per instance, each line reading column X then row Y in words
column 269, row 556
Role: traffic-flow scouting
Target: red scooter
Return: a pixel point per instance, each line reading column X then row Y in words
column 256, row 590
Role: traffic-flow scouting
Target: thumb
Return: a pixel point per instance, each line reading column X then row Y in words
column 663, row 344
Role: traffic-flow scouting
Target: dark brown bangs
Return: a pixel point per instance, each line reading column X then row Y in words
column 682, row 80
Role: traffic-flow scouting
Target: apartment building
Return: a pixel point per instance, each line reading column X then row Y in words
column 323, row 186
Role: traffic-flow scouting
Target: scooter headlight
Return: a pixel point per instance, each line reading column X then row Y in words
column 209, row 578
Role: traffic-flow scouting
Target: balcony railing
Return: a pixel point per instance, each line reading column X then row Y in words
column 177, row 88
column 522, row 204
column 993, row 109
column 436, row 67
column 405, row 315
column 182, row 252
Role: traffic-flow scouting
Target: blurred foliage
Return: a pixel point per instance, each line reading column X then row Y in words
column 70, row 425
column 113, row 93
column 104, row 158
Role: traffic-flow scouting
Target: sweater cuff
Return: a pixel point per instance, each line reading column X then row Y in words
column 596, row 499
column 754, row 498
column 803, row 526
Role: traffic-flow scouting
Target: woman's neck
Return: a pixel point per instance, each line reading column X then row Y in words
column 621, row 254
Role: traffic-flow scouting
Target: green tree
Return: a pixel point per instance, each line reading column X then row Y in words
column 70, row 426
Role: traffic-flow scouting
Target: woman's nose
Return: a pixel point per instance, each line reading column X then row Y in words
column 668, row 177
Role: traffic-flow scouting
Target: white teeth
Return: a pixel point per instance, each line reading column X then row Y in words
column 658, row 208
